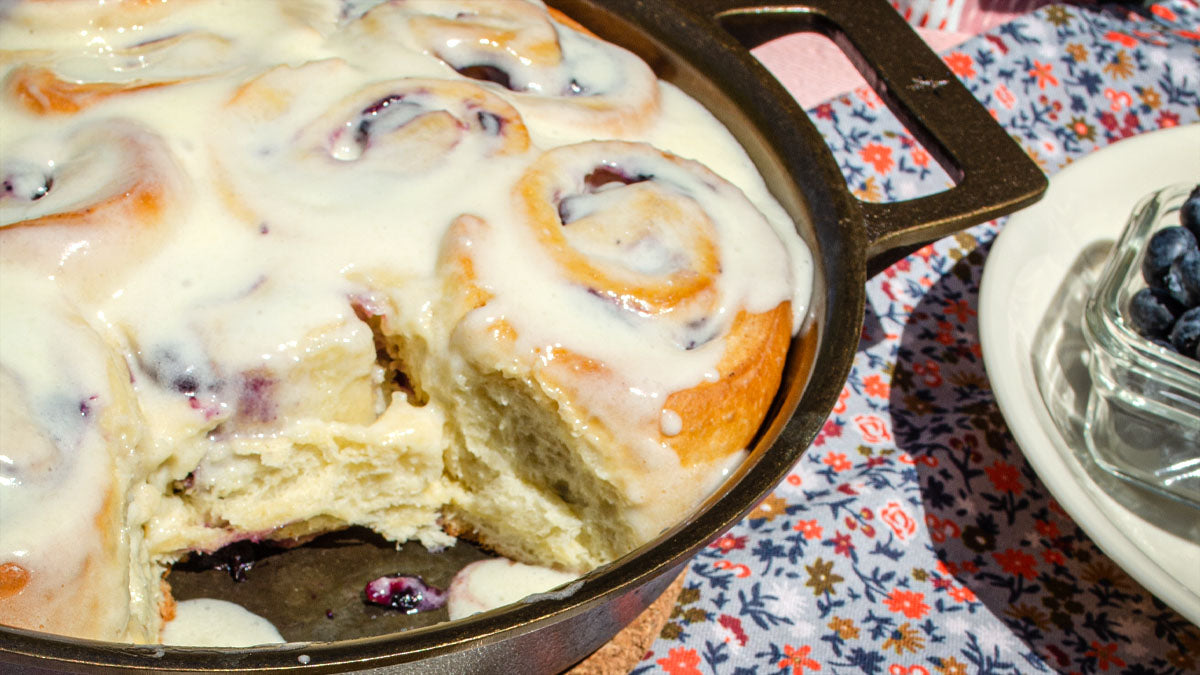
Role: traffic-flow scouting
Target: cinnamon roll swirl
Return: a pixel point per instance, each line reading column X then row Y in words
column 651, row 252
column 555, row 71
column 372, row 141
column 82, row 205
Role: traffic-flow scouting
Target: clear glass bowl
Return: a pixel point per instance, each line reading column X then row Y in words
column 1143, row 414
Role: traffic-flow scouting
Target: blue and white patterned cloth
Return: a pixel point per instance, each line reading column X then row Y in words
column 913, row 537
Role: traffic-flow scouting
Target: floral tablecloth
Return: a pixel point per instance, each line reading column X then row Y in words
column 913, row 537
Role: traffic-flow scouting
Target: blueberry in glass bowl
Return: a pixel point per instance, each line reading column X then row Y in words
column 1142, row 329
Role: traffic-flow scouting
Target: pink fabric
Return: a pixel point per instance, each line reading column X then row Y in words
column 814, row 69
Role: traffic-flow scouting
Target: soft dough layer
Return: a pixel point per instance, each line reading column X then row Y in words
column 272, row 272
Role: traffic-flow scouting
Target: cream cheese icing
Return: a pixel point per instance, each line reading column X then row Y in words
column 300, row 167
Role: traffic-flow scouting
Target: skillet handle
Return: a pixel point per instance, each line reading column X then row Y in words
column 993, row 176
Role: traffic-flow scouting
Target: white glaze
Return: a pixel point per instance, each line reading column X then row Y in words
column 207, row 622
column 487, row 584
column 263, row 281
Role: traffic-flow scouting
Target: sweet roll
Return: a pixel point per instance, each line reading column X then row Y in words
column 641, row 247
column 554, row 71
column 437, row 268
column 70, row 425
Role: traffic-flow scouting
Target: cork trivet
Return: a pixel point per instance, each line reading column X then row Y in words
column 622, row 653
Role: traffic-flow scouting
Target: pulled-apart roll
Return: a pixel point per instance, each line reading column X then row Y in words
column 637, row 350
column 70, row 422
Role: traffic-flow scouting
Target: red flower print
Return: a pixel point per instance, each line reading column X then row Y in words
column 898, row 519
column 728, row 543
column 962, row 594
column 1120, row 99
column 961, row 309
column 832, row 429
column 1017, row 563
column 825, row 111
column 874, row 386
column 1041, row 73
column 1105, row 655
column 920, row 157
column 1047, row 529
column 740, row 571
column 941, row 530
column 916, row 669
column 1163, row 12
column 878, row 156
column 867, row 95
column 810, row 528
column 932, row 372
column 1053, row 556
column 945, row 333
column 960, row 64
column 797, row 659
column 1130, row 126
column 681, row 661
column 1005, row 477
column 1119, row 38
column 1005, row 96
column 837, row 461
column 909, row 603
column 734, row 626
column 842, row 398
column 873, row 429
column 842, row 544
column 1167, row 119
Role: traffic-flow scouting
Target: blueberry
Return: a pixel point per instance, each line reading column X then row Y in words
column 1185, row 336
column 409, row 594
column 1164, row 248
column 1183, row 279
column 1152, row 311
column 1189, row 215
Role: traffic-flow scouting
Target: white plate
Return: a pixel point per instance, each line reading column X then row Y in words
column 1027, row 281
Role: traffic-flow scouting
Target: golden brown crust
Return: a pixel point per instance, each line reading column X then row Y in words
column 721, row 417
column 718, row 418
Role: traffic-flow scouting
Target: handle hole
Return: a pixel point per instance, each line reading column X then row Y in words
column 819, row 66
column 887, row 164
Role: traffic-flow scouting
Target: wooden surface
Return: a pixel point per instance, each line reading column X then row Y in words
column 624, row 651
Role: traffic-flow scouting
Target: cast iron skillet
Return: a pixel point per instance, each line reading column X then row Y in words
column 701, row 47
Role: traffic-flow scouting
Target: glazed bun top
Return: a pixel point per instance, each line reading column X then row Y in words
column 280, row 222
